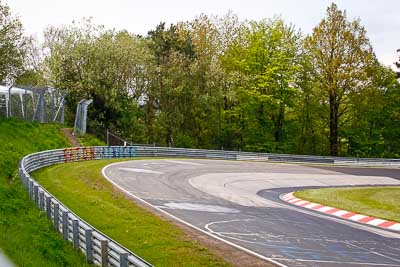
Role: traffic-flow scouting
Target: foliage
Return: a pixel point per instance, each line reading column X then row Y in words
column 107, row 66
column 26, row 235
column 90, row 140
column 341, row 57
column 13, row 47
column 217, row 82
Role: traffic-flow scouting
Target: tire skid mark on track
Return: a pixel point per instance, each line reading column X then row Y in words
column 281, row 247
column 185, row 222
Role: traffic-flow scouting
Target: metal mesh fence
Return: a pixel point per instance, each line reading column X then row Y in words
column 32, row 104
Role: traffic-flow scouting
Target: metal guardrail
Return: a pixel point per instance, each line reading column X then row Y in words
column 98, row 247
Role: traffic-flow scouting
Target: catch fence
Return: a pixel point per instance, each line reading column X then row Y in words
column 44, row 105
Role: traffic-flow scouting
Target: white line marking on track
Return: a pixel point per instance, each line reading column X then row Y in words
column 342, row 262
column 226, row 235
column 200, row 207
column 184, row 162
column 187, row 223
column 373, row 252
column 140, row 170
column 272, row 260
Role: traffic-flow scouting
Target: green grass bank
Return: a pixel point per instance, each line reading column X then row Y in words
column 26, row 236
column 380, row 202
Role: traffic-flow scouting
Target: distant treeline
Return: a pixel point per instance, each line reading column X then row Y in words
column 217, row 82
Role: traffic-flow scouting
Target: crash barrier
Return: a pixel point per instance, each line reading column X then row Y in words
column 98, row 247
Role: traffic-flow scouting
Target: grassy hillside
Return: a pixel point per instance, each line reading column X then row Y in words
column 26, row 236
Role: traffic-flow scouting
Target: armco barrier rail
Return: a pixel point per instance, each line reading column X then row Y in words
column 99, row 248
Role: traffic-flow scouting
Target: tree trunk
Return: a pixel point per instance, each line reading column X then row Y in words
column 333, row 124
column 279, row 123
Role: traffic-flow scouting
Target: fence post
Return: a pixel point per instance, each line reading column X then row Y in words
column 36, row 194
column 65, row 224
column 24, row 179
column 56, row 217
column 89, row 245
column 123, row 259
column 75, row 233
column 41, row 200
column 31, row 189
column 104, row 252
column 48, row 207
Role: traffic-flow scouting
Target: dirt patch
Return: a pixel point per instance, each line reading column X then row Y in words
column 71, row 138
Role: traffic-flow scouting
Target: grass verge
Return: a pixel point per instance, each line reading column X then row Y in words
column 381, row 202
column 26, row 236
column 90, row 140
column 84, row 190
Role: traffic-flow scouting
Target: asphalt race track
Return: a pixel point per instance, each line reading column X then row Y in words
column 239, row 202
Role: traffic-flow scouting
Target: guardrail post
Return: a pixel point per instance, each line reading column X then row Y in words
column 65, row 224
column 41, row 200
column 56, row 217
column 89, row 245
column 48, row 207
column 25, row 181
column 123, row 259
column 31, row 189
column 21, row 174
column 104, row 253
column 75, row 233
column 36, row 194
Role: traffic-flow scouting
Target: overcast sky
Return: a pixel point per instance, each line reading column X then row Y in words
column 380, row 18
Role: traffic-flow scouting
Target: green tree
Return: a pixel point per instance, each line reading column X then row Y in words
column 13, row 44
column 267, row 54
column 341, row 55
column 168, row 96
column 109, row 66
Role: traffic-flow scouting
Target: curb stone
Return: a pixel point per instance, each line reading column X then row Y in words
column 344, row 214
